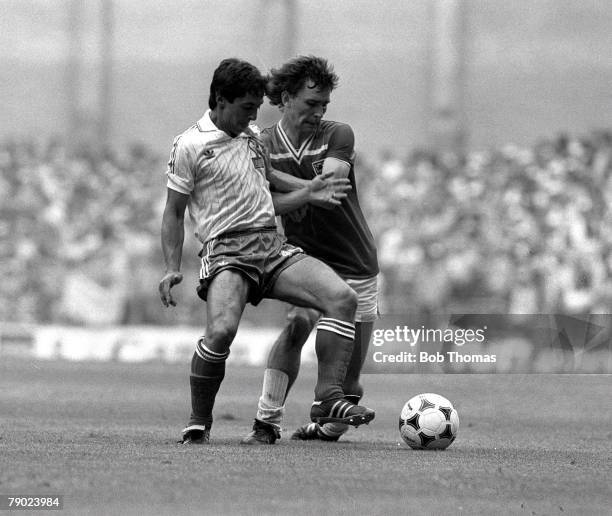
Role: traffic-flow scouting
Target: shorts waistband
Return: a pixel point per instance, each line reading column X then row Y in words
column 242, row 232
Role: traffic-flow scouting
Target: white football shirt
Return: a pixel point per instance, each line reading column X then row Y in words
column 224, row 177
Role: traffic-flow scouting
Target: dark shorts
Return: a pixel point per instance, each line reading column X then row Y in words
column 260, row 255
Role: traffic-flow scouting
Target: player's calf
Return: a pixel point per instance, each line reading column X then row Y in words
column 333, row 346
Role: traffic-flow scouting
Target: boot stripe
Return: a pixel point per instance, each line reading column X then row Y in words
column 335, row 406
column 340, row 409
column 345, row 408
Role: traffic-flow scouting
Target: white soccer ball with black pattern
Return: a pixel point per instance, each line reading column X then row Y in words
column 428, row 422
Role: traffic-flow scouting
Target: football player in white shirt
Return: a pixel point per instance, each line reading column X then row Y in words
column 219, row 169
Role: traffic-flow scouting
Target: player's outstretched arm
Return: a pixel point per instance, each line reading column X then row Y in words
column 284, row 182
column 172, row 238
column 287, row 202
column 323, row 191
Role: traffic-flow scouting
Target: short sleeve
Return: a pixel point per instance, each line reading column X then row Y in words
column 180, row 170
column 341, row 144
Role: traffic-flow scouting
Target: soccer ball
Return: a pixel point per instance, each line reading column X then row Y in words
column 428, row 422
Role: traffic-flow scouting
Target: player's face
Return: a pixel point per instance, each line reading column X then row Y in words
column 234, row 117
column 306, row 108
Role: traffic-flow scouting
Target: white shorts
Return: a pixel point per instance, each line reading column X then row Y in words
column 367, row 296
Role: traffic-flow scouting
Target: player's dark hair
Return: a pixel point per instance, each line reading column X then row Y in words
column 292, row 76
column 235, row 78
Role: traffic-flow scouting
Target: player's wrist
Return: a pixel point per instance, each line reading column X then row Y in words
column 316, row 198
column 309, row 192
column 310, row 187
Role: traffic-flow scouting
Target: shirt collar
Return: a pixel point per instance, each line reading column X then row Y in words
column 205, row 125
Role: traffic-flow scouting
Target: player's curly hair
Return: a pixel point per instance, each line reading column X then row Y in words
column 235, row 78
column 292, row 76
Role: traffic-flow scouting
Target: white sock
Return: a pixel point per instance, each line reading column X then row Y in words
column 271, row 406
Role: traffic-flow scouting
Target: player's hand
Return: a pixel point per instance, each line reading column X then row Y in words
column 170, row 279
column 327, row 191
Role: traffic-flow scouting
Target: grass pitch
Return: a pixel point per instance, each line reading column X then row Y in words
column 104, row 436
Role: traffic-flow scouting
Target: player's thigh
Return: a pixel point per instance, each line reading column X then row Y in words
column 313, row 284
column 227, row 296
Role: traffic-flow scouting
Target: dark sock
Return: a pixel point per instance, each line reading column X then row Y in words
column 207, row 373
column 203, row 393
column 334, row 346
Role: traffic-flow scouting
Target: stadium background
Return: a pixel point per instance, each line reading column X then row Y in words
column 512, row 217
column 506, row 211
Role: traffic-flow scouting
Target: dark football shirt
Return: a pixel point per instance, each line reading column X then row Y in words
column 340, row 237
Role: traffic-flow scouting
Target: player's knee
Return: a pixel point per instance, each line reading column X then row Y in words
column 219, row 336
column 301, row 321
column 343, row 302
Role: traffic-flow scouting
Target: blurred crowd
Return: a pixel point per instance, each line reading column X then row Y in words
column 510, row 230
column 78, row 232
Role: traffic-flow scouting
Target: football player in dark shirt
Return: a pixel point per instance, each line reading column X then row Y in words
column 304, row 145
